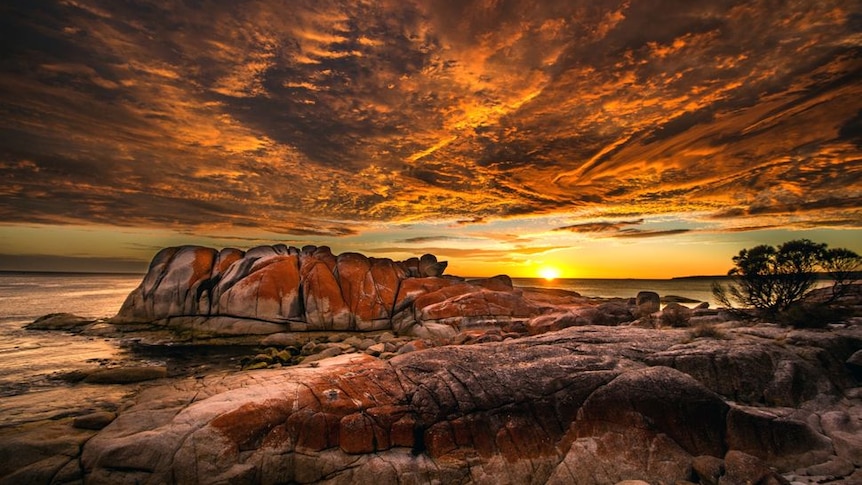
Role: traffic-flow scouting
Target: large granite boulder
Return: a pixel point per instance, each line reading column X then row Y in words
column 761, row 369
column 579, row 405
column 325, row 308
column 277, row 288
column 369, row 287
column 647, row 424
column 273, row 289
column 267, row 289
column 438, row 308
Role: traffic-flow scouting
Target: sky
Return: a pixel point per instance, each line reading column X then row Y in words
column 591, row 138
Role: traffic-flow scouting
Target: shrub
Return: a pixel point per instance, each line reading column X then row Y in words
column 774, row 282
column 811, row 315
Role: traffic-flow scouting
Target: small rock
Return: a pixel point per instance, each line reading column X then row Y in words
column 284, row 356
column 313, row 347
column 675, row 315
column 366, row 343
column 325, row 354
column 385, row 337
column 353, row 341
column 94, row 421
column 854, row 364
column 126, row 375
column 59, row 321
column 647, row 302
column 559, row 320
column 612, row 313
column 283, row 339
column 428, row 266
column 265, row 358
column 376, row 349
column 708, row 469
column 837, row 468
column 845, row 433
column 413, row 346
column 856, row 477
column 744, row 468
column 337, row 337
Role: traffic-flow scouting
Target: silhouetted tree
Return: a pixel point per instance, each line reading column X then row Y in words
column 842, row 266
column 773, row 281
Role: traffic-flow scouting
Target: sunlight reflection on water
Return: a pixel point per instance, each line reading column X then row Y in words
column 29, row 359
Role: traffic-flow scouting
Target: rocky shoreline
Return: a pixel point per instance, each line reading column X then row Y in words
column 469, row 381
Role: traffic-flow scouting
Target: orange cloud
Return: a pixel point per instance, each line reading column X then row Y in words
column 342, row 115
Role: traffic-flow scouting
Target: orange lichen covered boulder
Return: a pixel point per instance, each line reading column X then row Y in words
column 369, row 287
column 270, row 289
column 325, row 308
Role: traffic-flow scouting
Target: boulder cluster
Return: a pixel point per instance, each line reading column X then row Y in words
column 291, row 349
column 272, row 289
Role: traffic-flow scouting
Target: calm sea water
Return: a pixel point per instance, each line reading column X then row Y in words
column 694, row 288
column 29, row 359
column 26, row 296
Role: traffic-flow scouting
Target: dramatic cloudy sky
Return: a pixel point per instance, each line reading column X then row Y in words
column 600, row 137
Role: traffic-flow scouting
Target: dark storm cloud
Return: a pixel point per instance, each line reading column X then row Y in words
column 319, row 117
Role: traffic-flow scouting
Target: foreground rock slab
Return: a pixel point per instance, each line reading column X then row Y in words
column 587, row 405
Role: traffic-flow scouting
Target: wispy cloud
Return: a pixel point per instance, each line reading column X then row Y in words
column 601, row 226
column 621, row 229
column 634, row 233
column 499, row 255
column 429, row 239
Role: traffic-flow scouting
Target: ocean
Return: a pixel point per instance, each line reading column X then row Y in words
column 30, row 361
column 699, row 288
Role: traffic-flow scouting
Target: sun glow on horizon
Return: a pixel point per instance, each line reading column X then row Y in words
column 549, row 273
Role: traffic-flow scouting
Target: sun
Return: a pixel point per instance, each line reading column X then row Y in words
column 549, row 273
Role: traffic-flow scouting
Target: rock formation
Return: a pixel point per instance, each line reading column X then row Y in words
column 390, row 372
column 586, row 405
column 271, row 289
